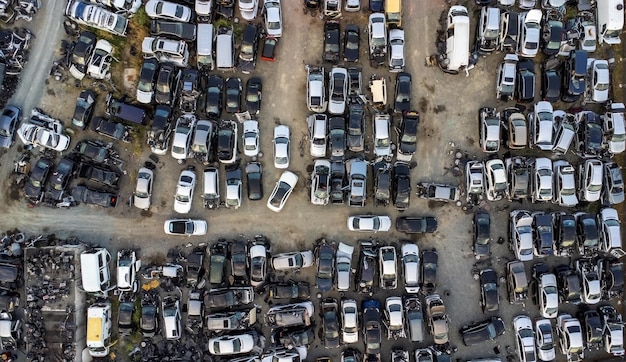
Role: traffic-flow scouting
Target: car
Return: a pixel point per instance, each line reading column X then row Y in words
column 569, row 332
column 187, row 227
column 337, row 138
column 202, row 146
column 281, row 354
column 227, row 142
column 593, row 329
column 344, row 266
column 489, row 298
column 428, row 281
column 60, row 179
column 82, row 114
column 290, row 315
column 284, row 186
column 159, row 9
column 524, row 338
column 330, row 315
column 367, row 265
column 293, row 337
column 516, row 282
column 273, row 18
column 238, row 253
column 614, row 128
column 564, row 184
column 590, row 175
column 99, row 66
column 214, row 96
column 565, row 131
column 568, row 283
column 181, row 143
column 589, row 135
column 396, row 50
column 438, row 320
column 37, row 177
column 125, row 318
column 248, row 9
column 382, row 183
column 489, row 126
column 228, row 345
column 518, row 172
column 99, row 174
column 353, row 5
column 589, row 273
column 232, row 297
column 258, row 264
column 338, row 91
column 497, row 185
column 332, row 39
column 290, row 290
column 382, row 140
column 292, row 260
column 95, row 151
column 166, row 50
column 325, row 266
column 190, row 90
column 505, row 83
column 551, row 81
column 600, row 81
column 542, row 180
column 438, row 192
column 316, row 89
column 356, row 128
column 184, row 191
column 254, row 184
column 96, row 197
column 147, row 81
column 31, row 134
column 610, row 232
column 530, row 29
column 194, row 271
column 541, row 122
column 587, row 233
column 613, row 330
column 351, row 45
column 254, row 90
column 482, row 234
column 525, row 83
column 411, row 267
column 377, row 38
column 488, row 29
column 401, row 185
column 234, row 187
column 174, row 29
column 81, row 53
column 127, row 267
column 545, row 340
column 407, row 136
column 574, row 76
column 553, row 33
column 9, row 120
column 111, row 129
column 250, row 138
column 394, row 316
column 349, row 321
column 474, row 181
column 369, row 223
column 143, row 189
column 547, row 293
column 416, row 224
column 613, row 186
column 372, row 329
column 521, row 234
column 480, row 332
column 543, row 234
column 217, row 263
column 281, row 147
column 233, row 95
column 166, row 89
column 387, row 267
column 99, row 17
column 268, row 50
column 402, row 102
column 320, row 179
column 149, row 320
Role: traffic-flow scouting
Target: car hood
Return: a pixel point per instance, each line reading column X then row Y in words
column 142, row 202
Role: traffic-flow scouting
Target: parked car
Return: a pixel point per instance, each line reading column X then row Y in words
column 545, row 340
column 590, row 175
column 159, row 9
column 254, row 91
column 248, row 49
column 551, row 80
column 181, row 143
column 60, row 179
column 482, row 331
column 568, row 283
column 382, row 139
column 316, row 89
column 110, row 129
column 149, row 320
column 497, row 185
column 338, row 91
column 372, row 329
column 574, row 76
column 351, row 45
column 228, row 345
column 337, row 138
column 428, row 281
column 53, row 139
column 273, row 18
column 94, row 197
column 290, row 290
column 258, row 264
column 99, row 174
column 369, row 223
column 377, row 33
column 615, row 128
column 489, row 298
column 284, row 186
column 407, row 136
column 227, row 142
column 185, row 227
column 281, row 147
column 416, row 224
column 147, row 81
column 569, row 332
column 587, row 233
column 396, row 50
column 411, row 267
column 505, row 82
column 234, row 89
column 292, row 260
column 524, row 338
column 349, row 321
column 290, row 315
column 521, row 234
column 525, row 83
column 438, row 320
column 82, row 113
column 600, row 81
column 330, row 319
column 325, row 267
column 530, row 29
column 254, row 175
column 564, row 184
column 356, row 128
column 99, row 66
column 331, row 42
column 238, row 253
column 489, row 126
column 388, row 273
column 37, row 178
column 81, row 53
column 175, row 29
column 344, row 266
column 217, row 263
column 541, row 122
column 516, row 282
column 233, row 297
column 610, row 232
column 482, row 234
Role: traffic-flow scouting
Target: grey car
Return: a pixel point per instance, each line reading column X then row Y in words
column 482, row 234
column 325, row 267
column 8, row 123
column 613, row 192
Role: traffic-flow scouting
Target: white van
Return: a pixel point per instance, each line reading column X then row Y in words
column 610, row 20
column 211, row 188
column 457, row 41
column 204, row 43
column 99, row 329
column 94, row 265
column 225, row 49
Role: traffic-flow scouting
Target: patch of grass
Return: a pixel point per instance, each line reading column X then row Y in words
column 138, row 138
column 141, row 18
column 222, row 22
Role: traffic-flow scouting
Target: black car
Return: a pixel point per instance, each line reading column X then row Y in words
column 173, row 29
column 402, row 101
column 543, row 235
column 429, row 271
column 416, row 224
column 382, row 183
column 293, row 337
column 37, row 178
column 254, row 90
column 60, row 179
column 189, row 90
column 99, row 174
column 325, row 267
column 239, row 262
column 593, row 328
column 337, row 137
column 330, row 318
column 568, row 283
column 149, row 321
column 574, row 76
column 552, row 35
column 166, row 90
column 525, row 82
column 372, row 331
column 226, row 137
column 92, row 150
column 483, row 331
column 407, row 135
column 248, row 50
column 366, row 270
column 489, row 298
column 612, row 277
column 351, row 43
column 94, row 197
column 159, row 132
column 214, row 96
column 84, row 108
column 125, row 318
column 233, row 95
column 82, row 52
column 195, row 265
column 356, row 127
column 482, row 234
column 147, row 79
column 376, row 5
column 401, row 185
column 268, row 53
column 590, row 135
column 587, row 234
column 565, row 233
column 291, row 290
column 331, row 42
column 254, row 173
column 337, row 182
column 551, row 80
column 217, row 263
column 110, row 129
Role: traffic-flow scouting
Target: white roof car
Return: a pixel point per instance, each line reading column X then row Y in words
column 350, row 321
column 251, row 138
column 382, row 141
column 292, row 260
column 273, row 18
column 100, row 61
column 545, row 340
column 396, row 50
column 377, row 31
column 529, row 33
column 570, row 335
column 600, row 80
column 369, row 223
column 549, row 296
column 505, row 84
column 564, row 184
column 143, row 189
column 387, row 267
column 295, row 354
column 320, row 182
column 524, row 338
column 258, row 264
column 97, row 17
column 542, row 180
column 282, row 190
column 489, row 130
column 497, row 185
column 166, row 50
column 518, row 131
column 182, row 136
column 159, row 9
column 610, row 231
column 127, row 266
column 186, row 227
column 394, row 313
column 564, row 125
column 338, row 90
column 318, row 125
column 227, row 345
column 522, row 234
column 281, row 147
column 614, row 128
column 541, row 122
column 248, row 9
column 184, row 191
column 590, row 185
column 589, row 273
column 171, row 318
column 411, row 266
column 316, row 90
column 344, row 266
column 353, row 5
column 475, row 178
column 527, row 4
column 31, row 134
column 233, row 188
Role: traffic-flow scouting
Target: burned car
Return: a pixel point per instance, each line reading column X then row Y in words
column 366, row 271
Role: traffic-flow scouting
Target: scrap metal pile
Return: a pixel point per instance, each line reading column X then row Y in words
column 14, row 45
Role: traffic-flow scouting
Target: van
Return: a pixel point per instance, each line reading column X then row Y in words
column 96, row 276
column 609, row 20
column 393, row 13
column 211, row 188
column 125, row 112
column 204, row 47
column 456, row 57
column 225, row 49
column 99, row 329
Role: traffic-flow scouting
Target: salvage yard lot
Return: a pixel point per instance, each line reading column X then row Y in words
column 448, row 106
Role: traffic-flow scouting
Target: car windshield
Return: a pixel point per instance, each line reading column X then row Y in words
column 252, row 97
column 283, row 187
column 352, row 42
column 381, row 142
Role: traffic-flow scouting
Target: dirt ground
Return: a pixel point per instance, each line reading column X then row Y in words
column 448, row 107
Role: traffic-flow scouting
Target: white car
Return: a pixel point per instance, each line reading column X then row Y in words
column 315, row 90
column 97, row 16
column 394, row 315
column 184, row 191
column 497, row 185
column 281, row 147
column 529, row 33
column 344, row 266
column 564, row 184
column 166, row 50
column 600, row 81
column 377, row 33
column 293, row 260
column 475, row 178
column 248, row 9
column 542, row 180
column 350, row 321
column 615, row 128
column 590, row 185
column 524, row 339
column 318, row 128
column 182, row 136
column 589, row 273
column 147, row 80
column 184, row 227
column 143, row 190
column 31, row 134
column 489, row 130
column 545, row 340
column 548, row 296
column 396, row 50
column 171, row 318
column 284, row 186
column 505, row 84
column 295, row 354
column 100, row 61
column 387, row 263
column 320, row 182
column 527, row 4
column 338, row 91
column 233, row 187
column 228, row 345
column 521, row 234
column 610, row 232
column 258, row 264
column 159, row 9
column 127, row 267
column 353, row 5
column 273, row 18
column 369, row 223
column 382, row 140
column 541, row 122
column 251, row 138
column 569, row 331
column 411, row 266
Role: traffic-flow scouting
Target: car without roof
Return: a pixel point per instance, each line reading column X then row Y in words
column 551, row 80
column 568, row 283
column 293, row 337
column 590, row 319
column 613, row 330
column 81, row 52
column 388, row 273
column 99, row 65
column 331, row 42
column 587, row 233
column 505, row 83
column 160, row 131
column 589, row 273
column 190, row 90
column 574, row 76
column 367, row 265
column 127, row 267
column 203, row 142
column 37, row 178
column 411, row 267
column 474, row 181
column 195, row 266
column 99, row 174
column 488, row 29
column 589, row 135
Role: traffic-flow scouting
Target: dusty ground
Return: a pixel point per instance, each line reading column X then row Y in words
column 448, row 106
